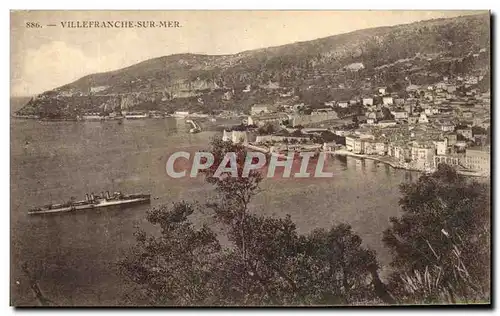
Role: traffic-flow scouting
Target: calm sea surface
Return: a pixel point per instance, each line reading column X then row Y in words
column 74, row 256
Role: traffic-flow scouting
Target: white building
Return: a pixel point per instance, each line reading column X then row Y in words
column 343, row 104
column 235, row 136
column 368, row 101
column 259, row 109
column 441, row 146
column 423, row 118
column 387, row 100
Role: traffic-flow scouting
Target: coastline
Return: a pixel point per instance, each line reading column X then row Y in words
column 383, row 159
column 396, row 165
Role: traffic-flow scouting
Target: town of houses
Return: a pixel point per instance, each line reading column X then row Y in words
column 445, row 122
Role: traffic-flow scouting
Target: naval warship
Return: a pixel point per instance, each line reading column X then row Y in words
column 92, row 202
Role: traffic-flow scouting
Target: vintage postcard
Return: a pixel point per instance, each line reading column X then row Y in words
column 250, row 158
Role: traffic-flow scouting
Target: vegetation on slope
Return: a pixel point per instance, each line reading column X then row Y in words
column 419, row 51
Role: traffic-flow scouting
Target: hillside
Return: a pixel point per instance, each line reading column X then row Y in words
column 340, row 66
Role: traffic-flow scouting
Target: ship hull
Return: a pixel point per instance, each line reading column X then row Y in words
column 136, row 117
column 100, row 205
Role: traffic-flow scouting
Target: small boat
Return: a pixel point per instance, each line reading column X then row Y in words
column 135, row 115
column 196, row 128
column 92, row 202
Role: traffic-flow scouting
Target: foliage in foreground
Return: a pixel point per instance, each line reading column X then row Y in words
column 440, row 247
column 441, row 244
column 186, row 265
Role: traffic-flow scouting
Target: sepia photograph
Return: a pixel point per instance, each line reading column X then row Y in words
column 250, row 158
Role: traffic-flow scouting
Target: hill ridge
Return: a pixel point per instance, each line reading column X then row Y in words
column 179, row 80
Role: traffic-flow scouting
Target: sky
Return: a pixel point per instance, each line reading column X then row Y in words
column 48, row 57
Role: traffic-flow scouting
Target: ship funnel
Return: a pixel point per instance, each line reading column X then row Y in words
column 87, row 197
column 107, row 195
column 92, row 198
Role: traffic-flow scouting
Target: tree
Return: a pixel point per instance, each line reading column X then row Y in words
column 387, row 114
column 267, row 129
column 297, row 133
column 279, row 260
column 266, row 263
column 444, row 234
column 234, row 193
column 340, row 266
column 283, row 267
column 172, row 269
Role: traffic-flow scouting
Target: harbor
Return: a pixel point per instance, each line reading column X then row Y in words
column 88, row 163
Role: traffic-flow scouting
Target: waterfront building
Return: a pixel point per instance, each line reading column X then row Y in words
column 451, row 160
column 359, row 146
column 398, row 151
column 478, row 159
column 422, row 155
column 349, row 143
column 355, row 144
column 375, row 147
